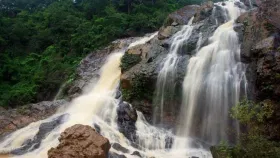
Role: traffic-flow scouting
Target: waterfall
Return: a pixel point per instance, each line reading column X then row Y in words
column 99, row 107
column 213, row 84
column 165, row 86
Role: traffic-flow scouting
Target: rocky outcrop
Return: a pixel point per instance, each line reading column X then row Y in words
column 179, row 17
column 270, row 10
column 182, row 16
column 80, row 141
column 88, row 69
column 13, row 119
column 138, row 80
column 204, row 11
column 260, row 41
column 126, row 120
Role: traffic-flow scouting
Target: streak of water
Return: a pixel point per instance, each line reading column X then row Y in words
column 166, row 78
column 213, row 84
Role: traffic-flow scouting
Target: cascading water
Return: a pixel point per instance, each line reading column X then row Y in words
column 97, row 107
column 213, row 83
column 166, row 78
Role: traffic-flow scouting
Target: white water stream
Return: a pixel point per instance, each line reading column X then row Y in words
column 166, row 78
column 98, row 106
column 213, row 84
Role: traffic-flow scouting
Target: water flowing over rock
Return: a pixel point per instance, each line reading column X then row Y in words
column 164, row 95
column 13, row 119
column 80, row 141
column 214, row 81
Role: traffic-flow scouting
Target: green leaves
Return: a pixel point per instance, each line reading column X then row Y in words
column 42, row 41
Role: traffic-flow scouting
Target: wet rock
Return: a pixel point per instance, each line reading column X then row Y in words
column 126, row 120
column 136, row 153
column 89, row 68
column 204, row 11
column 250, row 3
column 97, row 128
column 166, row 32
column 80, row 141
column 115, row 155
column 118, row 95
column 139, row 81
column 152, row 50
column 182, row 16
column 169, row 142
column 13, row 119
column 44, row 130
column 179, row 17
column 120, row 148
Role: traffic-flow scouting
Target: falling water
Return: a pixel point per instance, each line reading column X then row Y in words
column 213, row 83
column 99, row 107
column 166, row 78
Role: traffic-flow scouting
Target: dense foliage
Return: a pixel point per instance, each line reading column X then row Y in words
column 42, row 41
column 255, row 140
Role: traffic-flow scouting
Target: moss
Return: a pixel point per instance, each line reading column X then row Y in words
column 141, row 89
column 126, row 94
column 269, row 27
column 129, row 60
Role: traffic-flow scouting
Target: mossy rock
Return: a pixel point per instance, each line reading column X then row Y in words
column 129, row 60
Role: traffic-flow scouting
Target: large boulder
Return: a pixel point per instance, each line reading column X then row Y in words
column 126, row 120
column 182, row 16
column 80, row 141
column 204, row 11
column 179, row 17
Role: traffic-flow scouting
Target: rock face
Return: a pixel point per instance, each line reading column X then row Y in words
column 80, row 141
column 138, row 82
column 88, row 69
column 13, row 119
column 127, row 117
column 260, row 41
column 270, row 10
column 179, row 17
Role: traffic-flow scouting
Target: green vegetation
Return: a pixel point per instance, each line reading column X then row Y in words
column 129, row 60
column 141, row 89
column 256, row 141
column 42, row 41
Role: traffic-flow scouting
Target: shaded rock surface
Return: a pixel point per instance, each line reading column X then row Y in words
column 13, row 119
column 80, row 141
column 260, row 38
column 127, row 117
